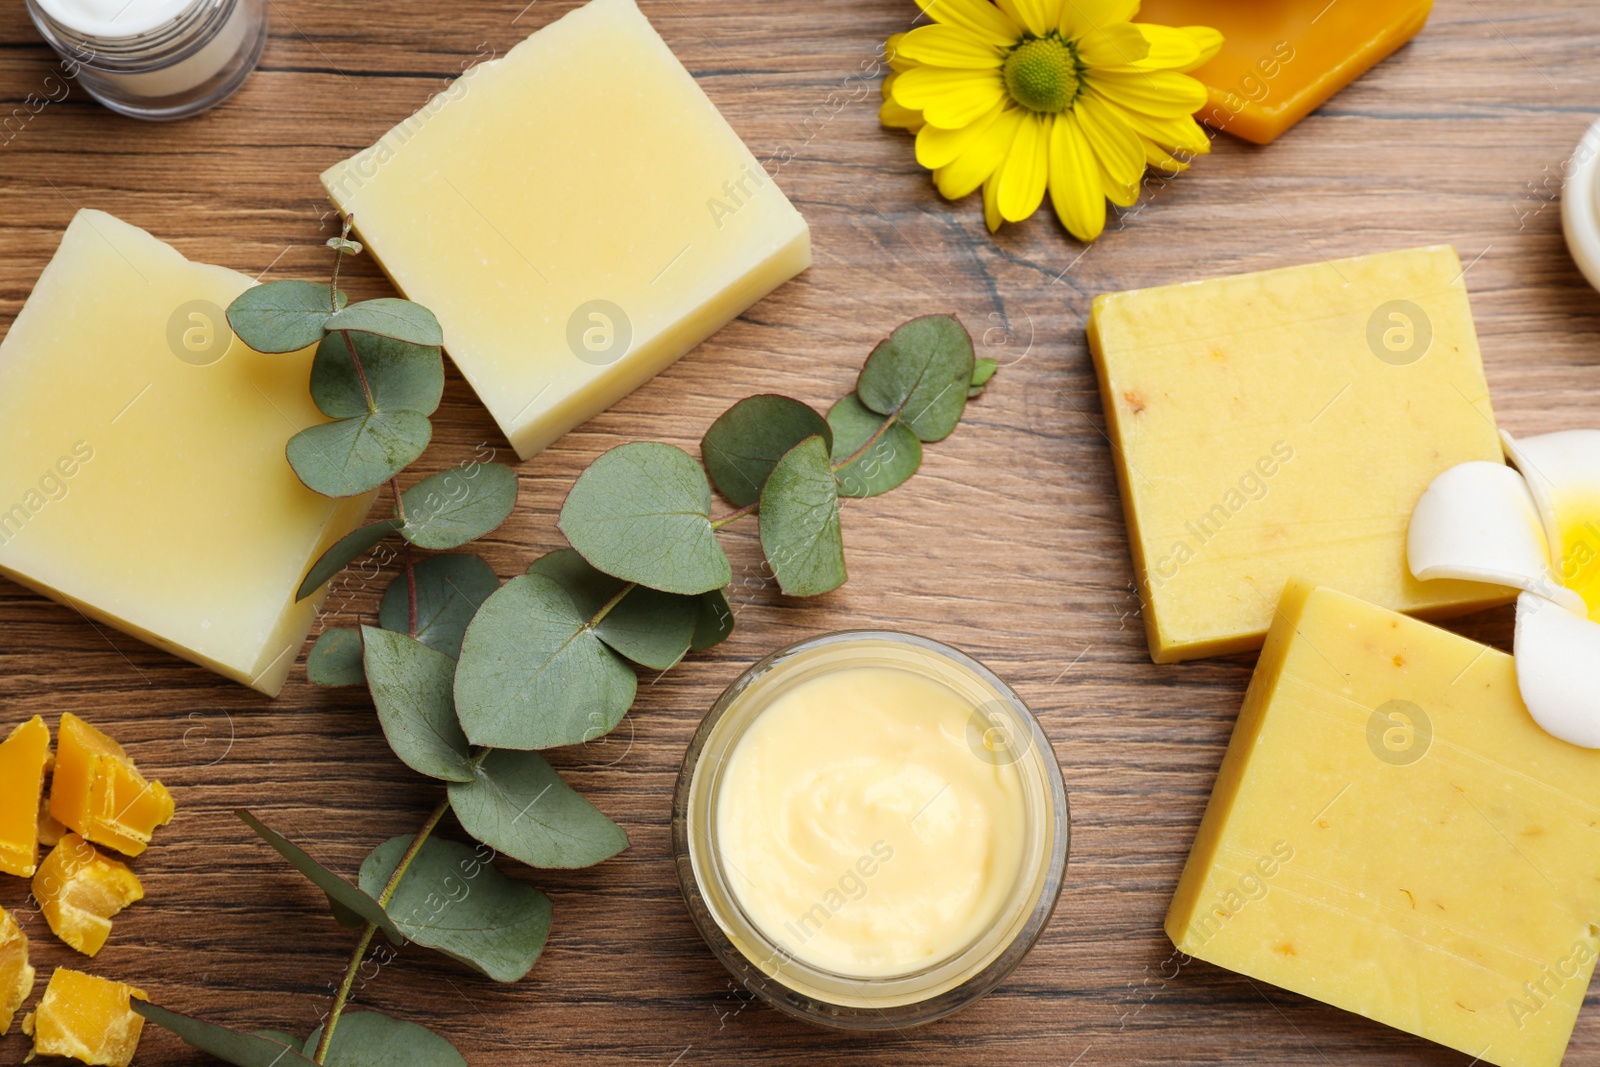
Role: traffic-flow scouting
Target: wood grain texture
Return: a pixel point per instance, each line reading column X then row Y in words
column 1009, row 543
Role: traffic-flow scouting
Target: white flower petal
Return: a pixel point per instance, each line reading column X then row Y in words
column 1563, row 471
column 1477, row 522
column 1558, row 670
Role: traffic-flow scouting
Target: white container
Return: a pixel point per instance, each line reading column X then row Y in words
column 155, row 59
column 1580, row 205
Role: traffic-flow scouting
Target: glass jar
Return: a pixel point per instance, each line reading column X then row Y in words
column 1000, row 733
column 155, row 59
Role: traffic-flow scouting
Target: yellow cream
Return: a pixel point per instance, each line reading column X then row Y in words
column 868, row 824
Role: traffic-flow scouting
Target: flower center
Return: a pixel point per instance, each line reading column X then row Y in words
column 1042, row 74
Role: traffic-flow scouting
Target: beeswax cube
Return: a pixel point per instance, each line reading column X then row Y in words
column 16, row 975
column 97, row 791
column 86, row 1018
column 1286, row 423
column 142, row 470
column 79, row 890
column 1392, row 834
column 578, row 216
column 23, row 758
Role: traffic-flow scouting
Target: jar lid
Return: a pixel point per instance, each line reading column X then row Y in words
column 1580, row 205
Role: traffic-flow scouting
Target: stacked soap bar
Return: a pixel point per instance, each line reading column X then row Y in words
column 142, row 470
column 1286, row 423
column 1391, row 833
column 577, row 215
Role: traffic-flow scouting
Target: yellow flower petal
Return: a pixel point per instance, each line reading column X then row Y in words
column 1170, row 49
column 1161, row 160
column 978, row 17
column 1163, row 93
column 891, row 52
column 1031, row 15
column 991, row 203
column 981, row 158
column 947, row 46
column 1026, row 170
column 1172, row 134
column 892, row 114
column 1118, row 45
column 1078, row 17
column 1075, row 180
column 949, row 98
column 1115, row 143
column 1207, row 39
column 939, row 148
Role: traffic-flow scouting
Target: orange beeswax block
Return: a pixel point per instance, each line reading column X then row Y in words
column 16, row 976
column 98, row 792
column 79, row 890
column 23, row 759
column 86, row 1018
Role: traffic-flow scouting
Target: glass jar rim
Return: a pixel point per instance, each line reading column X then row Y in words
column 168, row 42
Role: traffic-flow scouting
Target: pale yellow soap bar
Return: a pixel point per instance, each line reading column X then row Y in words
column 578, row 216
column 1391, row 833
column 142, row 469
column 1285, row 423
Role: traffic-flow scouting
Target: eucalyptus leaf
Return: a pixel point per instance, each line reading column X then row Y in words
column 280, row 1037
column 449, row 592
column 281, row 316
column 343, row 552
column 534, row 675
column 336, row 658
column 412, row 687
column 344, row 245
column 519, row 805
column 642, row 512
column 982, row 370
column 448, row 509
column 715, row 621
column 871, row 469
column 370, row 1039
column 743, row 446
column 454, row 901
column 223, row 1042
column 353, row 456
column 800, row 530
column 338, row 890
column 921, row 373
column 390, row 316
column 402, row 376
column 649, row 627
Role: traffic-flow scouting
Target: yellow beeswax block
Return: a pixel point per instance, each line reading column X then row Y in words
column 79, row 890
column 577, row 214
column 1391, row 833
column 1286, row 423
column 24, row 755
column 16, row 974
column 86, row 1018
column 97, row 791
column 142, row 469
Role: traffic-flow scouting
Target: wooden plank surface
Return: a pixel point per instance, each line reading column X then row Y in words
column 1009, row 543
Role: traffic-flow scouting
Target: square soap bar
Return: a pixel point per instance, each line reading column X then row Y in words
column 1392, row 834
column 142, row 470
column 1286, row 423
column 577, row 215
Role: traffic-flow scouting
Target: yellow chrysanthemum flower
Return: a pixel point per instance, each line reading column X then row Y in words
column 1025, row 96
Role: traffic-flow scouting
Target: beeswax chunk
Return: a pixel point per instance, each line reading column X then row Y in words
column 1286, row 423
column 79, row 890
column 23, row 758
column 16, row 975
column 1393, row 834
column 578, row 216
column 142, row 469
column 97, row 791
column 86, row 1018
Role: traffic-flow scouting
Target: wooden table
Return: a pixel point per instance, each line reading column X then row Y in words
column 1009, row 543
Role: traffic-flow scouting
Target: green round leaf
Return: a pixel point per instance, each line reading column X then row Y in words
column 520, row 806
column 339, row 892
column 448, row 509
column 402, row 376
column 281, row 316
column 649, row 627
column 412, row 686
column 343, row 552
column 336, row 658
column 982, row 370
column 922, row 373
column 800, row 531
column 715, row 621
column 355, row 456
column 641, row 512
column 534, row 675
column 743, row 446
column 262, row 1049
column 449, row 592
column 390, row 316
column 368, row 1039
column 880, row 467
column 452, row 900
